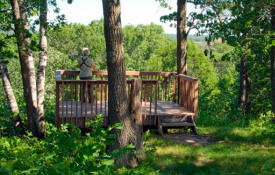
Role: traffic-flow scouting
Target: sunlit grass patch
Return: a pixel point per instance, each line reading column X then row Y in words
column 240, row 152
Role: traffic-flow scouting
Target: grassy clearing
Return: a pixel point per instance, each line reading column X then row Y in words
column 235, row 150
column 241, row 152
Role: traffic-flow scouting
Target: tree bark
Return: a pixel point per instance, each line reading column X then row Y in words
column 26, row 61
column 8, row 90
column 135, row 108
column 41, row 73
column 181, row 38
column 273, row 57
column 244, row 91
column 118, row 111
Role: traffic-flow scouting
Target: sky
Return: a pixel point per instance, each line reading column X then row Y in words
column 133, row 12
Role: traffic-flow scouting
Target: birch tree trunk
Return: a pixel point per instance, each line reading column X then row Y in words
column 26, row 61
column 41, row 73
column 118, row 111
column 8, row 90
column 181, row 38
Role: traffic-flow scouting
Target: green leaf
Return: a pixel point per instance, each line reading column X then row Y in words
column 108, row 162
column 117, row 126
column 129, row 147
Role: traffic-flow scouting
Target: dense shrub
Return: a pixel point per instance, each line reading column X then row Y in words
column 63, row 151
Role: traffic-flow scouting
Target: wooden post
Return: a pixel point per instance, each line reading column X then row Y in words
column 136, row 114
column 57, row 105
column 174, row 89
column 196, row 98
column 135, row 101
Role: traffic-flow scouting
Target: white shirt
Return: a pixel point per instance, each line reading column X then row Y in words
column 85, row 64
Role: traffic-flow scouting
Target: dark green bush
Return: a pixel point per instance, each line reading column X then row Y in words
column 63, row 151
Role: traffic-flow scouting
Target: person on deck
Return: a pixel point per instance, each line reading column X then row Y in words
column 86, row 65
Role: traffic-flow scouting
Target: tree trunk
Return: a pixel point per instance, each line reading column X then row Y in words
column 247, row 94
column 273, row 58
column 135, row 108
column 244, row 92
column 26, row 61
column 118, row 111
column 41, row 73
column 181, row 38
column 8, row 90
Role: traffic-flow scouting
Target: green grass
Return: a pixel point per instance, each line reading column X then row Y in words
column 241, row 152
column 236, row 150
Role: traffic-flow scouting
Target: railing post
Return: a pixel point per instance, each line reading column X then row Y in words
column 175, row 89
column 195, row 98
column 57, row 105
column 57, row 78
column 180, row 91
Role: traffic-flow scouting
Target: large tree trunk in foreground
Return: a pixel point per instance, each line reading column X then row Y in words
column 181, row 38
column 244, row 91
column 273, row 58
column 26, row 61
column 117, row 99
column 8, row 90
column 41, row 73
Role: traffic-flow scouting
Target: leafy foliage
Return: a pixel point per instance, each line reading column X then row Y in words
column 70, row 39
column 62, row 148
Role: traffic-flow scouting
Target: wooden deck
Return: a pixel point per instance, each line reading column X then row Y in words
column 168, row 100
column 164, row 108
column 72, row 110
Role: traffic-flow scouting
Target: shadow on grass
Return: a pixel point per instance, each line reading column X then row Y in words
column 168, row 165
column 240, row 135
column 243, row 152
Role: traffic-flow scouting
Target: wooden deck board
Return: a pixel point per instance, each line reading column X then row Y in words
column 164, row 109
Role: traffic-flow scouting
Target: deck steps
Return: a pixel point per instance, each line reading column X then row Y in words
column 170, row 122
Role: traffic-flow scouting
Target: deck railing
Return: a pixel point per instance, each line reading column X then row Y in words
column 156, row 86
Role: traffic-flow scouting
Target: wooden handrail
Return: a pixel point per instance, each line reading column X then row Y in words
column 128, row 73
column 189, row 78
column 103, row 81
column 168, row 81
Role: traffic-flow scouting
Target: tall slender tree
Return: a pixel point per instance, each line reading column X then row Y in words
column 273, row 55
column 41, row 73
column 182, row 33
column 118, row 111
column 7, row 52
column 21, row 30
column 244, row 90
column 8, row 89
column 234, row 22
column 181, row 37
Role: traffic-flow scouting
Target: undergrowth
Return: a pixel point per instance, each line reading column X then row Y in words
column 63, row 151
column 245, row 147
